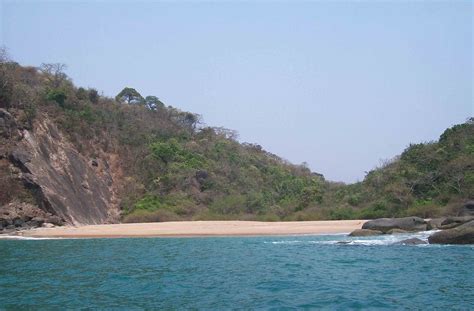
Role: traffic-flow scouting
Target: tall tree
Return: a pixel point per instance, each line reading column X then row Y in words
column 130, row 96
column 153, row 103
column 54, row 74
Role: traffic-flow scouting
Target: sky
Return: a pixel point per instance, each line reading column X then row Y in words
column 340, row 85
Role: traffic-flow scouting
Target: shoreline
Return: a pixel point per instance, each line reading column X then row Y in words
column 189, row 229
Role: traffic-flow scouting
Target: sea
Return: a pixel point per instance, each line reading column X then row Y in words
column 326, row 272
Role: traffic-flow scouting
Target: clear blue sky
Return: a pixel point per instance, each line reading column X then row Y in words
column 340, row 85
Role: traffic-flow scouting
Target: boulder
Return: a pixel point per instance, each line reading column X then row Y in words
column 397, row 231
column 453, row 222
column 406, row 223
column 463, row 234
column 8, row 125
column 468, row 209
column 412, row 241
column 55, row 220
column 365, row 232
column 47, row 225
column 18, row 222
column 435, row 223
column 36, row 222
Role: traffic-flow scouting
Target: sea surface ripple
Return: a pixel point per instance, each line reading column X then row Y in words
column 305, row 272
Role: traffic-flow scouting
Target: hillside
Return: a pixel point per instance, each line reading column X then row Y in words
column 88, row 158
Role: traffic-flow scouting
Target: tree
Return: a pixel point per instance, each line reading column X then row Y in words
column 93, row 96
column 6, row 77
column 153, row 103
column 54, row 74
column 130, row 96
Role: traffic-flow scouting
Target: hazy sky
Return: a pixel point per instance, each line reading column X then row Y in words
column 340, row 85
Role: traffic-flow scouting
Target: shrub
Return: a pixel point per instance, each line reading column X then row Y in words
column 57, row 95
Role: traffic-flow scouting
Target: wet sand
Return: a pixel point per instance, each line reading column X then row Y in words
column 198, row 229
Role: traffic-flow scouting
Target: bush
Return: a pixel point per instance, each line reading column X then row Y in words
column 150, row 216
column 59, row 96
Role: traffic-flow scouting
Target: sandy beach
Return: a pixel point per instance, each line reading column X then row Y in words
column 198, row 228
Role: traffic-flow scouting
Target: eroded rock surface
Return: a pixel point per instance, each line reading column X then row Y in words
column 406, row 223
column 65, row 182
column 365, row 232
column 463, row 234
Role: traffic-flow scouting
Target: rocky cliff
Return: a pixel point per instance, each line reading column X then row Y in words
column 64, row 182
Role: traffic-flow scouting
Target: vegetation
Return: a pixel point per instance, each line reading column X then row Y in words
column 175, row 167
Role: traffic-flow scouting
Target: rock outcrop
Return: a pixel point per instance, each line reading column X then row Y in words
column 17, row 215
column 463, row 234
column 468, row 209
column 412, row 241
column 365, row 232
column 435, row 223
column 386, row 224
column 453, row 222
column 65, row 183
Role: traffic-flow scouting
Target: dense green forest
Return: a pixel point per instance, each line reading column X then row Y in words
column 175, row 167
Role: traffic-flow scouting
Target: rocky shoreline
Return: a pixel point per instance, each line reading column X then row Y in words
column 16, row 217
column 453, row 230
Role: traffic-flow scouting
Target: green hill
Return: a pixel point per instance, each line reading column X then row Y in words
column 165, row 164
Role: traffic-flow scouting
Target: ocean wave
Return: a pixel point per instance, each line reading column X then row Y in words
column 19, row 237
column 381, row 240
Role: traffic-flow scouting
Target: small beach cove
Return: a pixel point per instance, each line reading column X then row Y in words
column 196, row 229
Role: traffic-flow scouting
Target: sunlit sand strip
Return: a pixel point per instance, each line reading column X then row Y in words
column 199, row 228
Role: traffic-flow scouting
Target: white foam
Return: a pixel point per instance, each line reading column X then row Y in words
column 19, row 237
column 368, row 241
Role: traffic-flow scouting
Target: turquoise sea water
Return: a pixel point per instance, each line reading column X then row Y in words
column 312, row 272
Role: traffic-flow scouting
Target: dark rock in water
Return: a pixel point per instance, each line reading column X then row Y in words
column 406, row 223
column 468, row 209
column 435, row 223
column 412, row 241
column 344, row 242
column 365, row 232
column 463, row 234
column 453, row 222
column 397, row 231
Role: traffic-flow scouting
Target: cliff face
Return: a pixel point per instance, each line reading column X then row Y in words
column 64, row 182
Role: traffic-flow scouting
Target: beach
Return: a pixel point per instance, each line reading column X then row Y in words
column 197, row 228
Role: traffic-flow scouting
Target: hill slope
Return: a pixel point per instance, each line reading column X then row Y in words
column 92, row 159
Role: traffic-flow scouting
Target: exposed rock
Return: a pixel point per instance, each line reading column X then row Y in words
column 24, row 215
column 468, row 209
column 36, row 222
column 397, row 231
column 344, row 242
column 365, row 232
column 453, row 222
column 18, row 222
column 61, row 178
column 412, row 241
column 8, row 126
column 463, row 234
column 47, row 225
column 55, row 220
column 435, row 223
column 406, row 223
